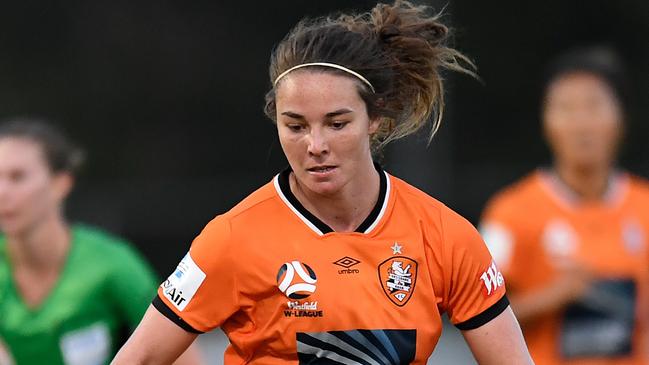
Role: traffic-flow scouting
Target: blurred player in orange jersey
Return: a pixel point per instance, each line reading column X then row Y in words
column 335, row 261
column 571, row 239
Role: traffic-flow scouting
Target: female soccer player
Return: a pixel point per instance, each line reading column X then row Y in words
column 335, row 261
column 571, row 238
column 67, row 293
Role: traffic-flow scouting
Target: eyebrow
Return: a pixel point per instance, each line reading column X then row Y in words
column 332, row 114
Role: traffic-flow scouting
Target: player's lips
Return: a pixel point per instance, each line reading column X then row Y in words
column 321, row 169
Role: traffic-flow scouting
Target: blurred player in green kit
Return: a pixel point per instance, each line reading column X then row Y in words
column 68, row 293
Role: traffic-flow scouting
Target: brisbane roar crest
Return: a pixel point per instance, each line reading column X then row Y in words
column 398, row 276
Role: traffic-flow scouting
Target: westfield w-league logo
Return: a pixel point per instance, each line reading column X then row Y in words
column 296, row 280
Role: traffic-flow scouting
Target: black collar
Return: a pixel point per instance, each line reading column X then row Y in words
column 285, row 187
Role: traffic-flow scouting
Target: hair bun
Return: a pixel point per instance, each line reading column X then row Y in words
column 388, row 32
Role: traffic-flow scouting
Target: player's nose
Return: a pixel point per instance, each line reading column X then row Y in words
column 317, row 143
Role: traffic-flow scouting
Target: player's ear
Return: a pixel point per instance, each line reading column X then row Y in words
column 63, row 183
column 374, row 126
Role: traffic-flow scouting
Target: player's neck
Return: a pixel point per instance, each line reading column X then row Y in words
column 345, row 211
column 588, row 183
column 43, row 247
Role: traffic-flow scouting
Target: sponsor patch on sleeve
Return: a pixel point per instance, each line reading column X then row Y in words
column 183, row 283
column 492, row 280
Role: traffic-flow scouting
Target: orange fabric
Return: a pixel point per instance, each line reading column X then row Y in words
column 535, row 225
column 242, row 251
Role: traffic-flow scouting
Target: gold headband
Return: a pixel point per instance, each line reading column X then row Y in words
column 325, row 64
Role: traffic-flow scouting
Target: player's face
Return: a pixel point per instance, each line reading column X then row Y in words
column 324, row 129
column 29, row 192
column 582, row 121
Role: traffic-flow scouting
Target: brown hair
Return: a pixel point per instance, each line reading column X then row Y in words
column 600, row 60
column 400, row 48
column 60, row 154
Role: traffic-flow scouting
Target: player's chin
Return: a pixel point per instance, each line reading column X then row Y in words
column 589, row 159
column 324, row 187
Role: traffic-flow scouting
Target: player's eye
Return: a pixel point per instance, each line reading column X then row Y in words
column 338, row 125
column 17, row 176
column 295, row 127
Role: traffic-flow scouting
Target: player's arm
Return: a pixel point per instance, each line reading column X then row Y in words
column 133, row 285
column 475, row 297
column 499, row 341
column 571, row 283
column 190, row 357
column 156, row 340
column 186, row 305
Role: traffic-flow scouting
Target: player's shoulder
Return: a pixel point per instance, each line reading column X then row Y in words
column 413, row 196
column 255, row 202
column 517, row 195
column 98, row 243
column 639, row 186
column 259, row 206
column 233, row 234
column 444, row 226
column 418, row 200
column 97, row 238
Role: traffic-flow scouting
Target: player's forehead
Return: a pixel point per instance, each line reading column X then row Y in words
column 21, row 152
column 317, row 92
column 577, row 85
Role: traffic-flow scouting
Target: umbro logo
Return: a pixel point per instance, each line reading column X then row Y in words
column 347, row 262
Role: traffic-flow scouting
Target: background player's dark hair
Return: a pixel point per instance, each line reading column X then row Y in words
column 400, row 48
column 60, row 153
column 600, row 61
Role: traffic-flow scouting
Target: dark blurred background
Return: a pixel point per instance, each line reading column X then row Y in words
column 166, row 97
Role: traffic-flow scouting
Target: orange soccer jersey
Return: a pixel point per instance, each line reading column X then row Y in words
column 537, row 224
column 285, row 288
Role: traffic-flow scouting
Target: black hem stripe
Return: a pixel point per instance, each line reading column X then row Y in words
column 172, row 316
column 486, row 316
column 285, row 187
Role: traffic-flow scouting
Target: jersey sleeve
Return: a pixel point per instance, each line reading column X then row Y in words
column 502, row 232
column 201, row 293
column 133, row 285
column 475, row 288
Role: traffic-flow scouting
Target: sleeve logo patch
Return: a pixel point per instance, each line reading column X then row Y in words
column 492, row 279
column 183, row 283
